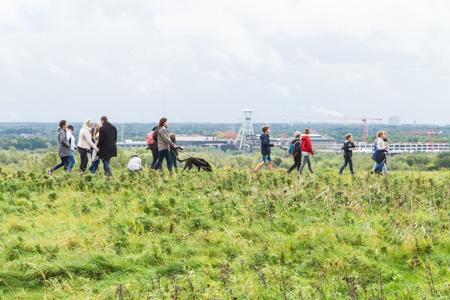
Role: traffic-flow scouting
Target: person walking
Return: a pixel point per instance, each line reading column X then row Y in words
column 174, row 151
column 85, row 144
column 307, row 151
column 295, row 149
column 107, row 144
column 266, row 149
column 63, row 147
column 348, row 153
column 379, row 155
column 95, row 159
column 164, row 145
column 152, row 144
column 73, row 147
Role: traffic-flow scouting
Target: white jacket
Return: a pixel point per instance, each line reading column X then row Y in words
column 135, row 164
column 85, row 139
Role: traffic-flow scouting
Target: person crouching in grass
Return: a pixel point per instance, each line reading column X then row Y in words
column 266, row 149
column 134, row 164
column 348, row 153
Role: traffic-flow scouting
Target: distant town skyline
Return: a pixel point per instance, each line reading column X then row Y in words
column 207, row 60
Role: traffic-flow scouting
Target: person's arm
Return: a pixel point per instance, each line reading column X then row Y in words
column 115, row 134
column 63, row 139
column 311, row 148
column 88, row 136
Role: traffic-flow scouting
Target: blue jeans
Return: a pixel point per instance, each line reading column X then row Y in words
column 378, row 168
column 348, row 161
column 266, row 157
column 94, row 166
column 173, row 158
column 63, row 163
column 164, row 154
column 107, row 166
column 71, row 161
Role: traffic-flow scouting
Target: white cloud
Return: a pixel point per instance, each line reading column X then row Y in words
column 226, row 54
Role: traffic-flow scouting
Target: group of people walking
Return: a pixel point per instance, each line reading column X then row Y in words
column 301, row 150
column 98, row 140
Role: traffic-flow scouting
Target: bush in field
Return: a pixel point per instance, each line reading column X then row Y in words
column 443, row 161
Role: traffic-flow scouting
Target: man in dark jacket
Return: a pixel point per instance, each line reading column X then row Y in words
column 266, row 149
column 107, row 146
column 348, row 153
column 296, row 146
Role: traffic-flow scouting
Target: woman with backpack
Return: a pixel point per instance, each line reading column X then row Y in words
column 307, row 151
column 152, row 145
column 164, row 145
column 295, row 149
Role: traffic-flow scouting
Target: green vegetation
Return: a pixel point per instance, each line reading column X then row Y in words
column 231, row 234
column 32, row 136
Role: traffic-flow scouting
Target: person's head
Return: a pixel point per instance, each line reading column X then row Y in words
column 63, row 124
column 163, row 122
column 173, row 138
column 70, row 128
column 266, row 129
column 88, row 124
column 307, row 131
column 297, row 134
column 104, row 119
column 380, row 134
column 349, row 137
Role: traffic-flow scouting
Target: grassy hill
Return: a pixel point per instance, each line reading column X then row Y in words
column 231, row 234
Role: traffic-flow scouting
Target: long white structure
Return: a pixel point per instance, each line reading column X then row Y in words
column 408, row 147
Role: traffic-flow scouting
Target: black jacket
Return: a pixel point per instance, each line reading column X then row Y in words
column 107, row 141
column 297, row 147
column 348, row 148
column 265, row 144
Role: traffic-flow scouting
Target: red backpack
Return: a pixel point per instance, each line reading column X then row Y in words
column 151, row 137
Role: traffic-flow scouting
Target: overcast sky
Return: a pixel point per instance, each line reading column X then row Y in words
column 136, row 60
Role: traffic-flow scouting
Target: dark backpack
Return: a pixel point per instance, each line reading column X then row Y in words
column 292, row 147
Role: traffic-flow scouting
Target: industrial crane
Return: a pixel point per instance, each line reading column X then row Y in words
column 431, row 134
column 365, row 125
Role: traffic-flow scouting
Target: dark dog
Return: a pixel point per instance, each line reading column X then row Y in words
column 199, row 163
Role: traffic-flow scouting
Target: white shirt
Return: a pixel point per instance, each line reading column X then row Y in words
column 381, row 145
column 135, row 164
column 71, row 139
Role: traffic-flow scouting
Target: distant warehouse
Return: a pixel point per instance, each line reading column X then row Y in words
column 320, row 142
